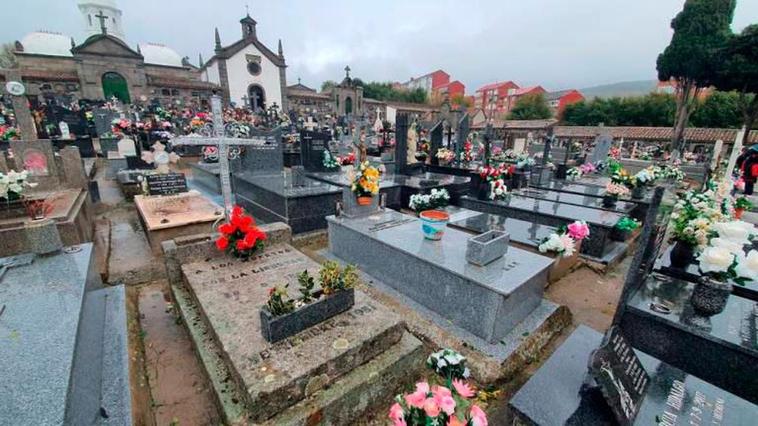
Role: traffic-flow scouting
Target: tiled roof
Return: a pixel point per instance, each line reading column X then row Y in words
column 520, row 124
column 692, row 134
column 495, row 85
column 554, row 96
column 306, row 94
column 525, row 90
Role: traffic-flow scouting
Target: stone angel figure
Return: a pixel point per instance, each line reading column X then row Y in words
column 159, row 157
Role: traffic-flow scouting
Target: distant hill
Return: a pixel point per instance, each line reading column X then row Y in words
column 622, row 89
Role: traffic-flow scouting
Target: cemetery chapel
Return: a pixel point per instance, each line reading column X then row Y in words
column 56, row 67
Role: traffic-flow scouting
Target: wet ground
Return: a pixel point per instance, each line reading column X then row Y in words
column 169, row 387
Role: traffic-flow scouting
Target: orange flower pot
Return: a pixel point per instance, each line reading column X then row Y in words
column 364, row 201
column 738, row 213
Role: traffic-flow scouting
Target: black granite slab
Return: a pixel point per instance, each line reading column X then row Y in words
column 722, row 349
column 550, row 213
column 562, row 393
column 576, row 200
column 525, row 233
column 207, row 175
column 692, row 274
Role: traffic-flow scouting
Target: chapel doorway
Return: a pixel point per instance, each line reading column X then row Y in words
column 114, row 84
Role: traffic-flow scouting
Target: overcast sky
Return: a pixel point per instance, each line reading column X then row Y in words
column 556, row 43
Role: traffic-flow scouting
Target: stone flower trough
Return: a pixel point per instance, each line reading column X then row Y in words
column 278, row 328
column 486, row 248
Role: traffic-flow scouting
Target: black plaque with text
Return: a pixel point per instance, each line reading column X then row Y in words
column 166, row 184
column 620, row 375
column 312, row 148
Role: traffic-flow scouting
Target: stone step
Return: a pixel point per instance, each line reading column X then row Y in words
column 364, row 388
column 369, row 387
column 229, row 293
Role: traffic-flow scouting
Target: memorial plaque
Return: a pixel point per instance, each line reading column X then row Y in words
column 602, row 147
column 75, row 122
column 166, row 184
column 103, row 119
column 620, row 375
column 312, row 147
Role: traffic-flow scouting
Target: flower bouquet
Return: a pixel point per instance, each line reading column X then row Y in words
column 8, row 133
column 366, row 183
column 329, row 161
column 13, row 184
column 436, row 199
column 574, row 173
column 282, row 316
column 347, row 160
column 445, row 156
column 438, row 405
column 613, row 191
column 565, row 243
column 722, row 263
column 740, row 205
column 524, row 162
column 449, row 364
column 240, row 236
column 467, row 155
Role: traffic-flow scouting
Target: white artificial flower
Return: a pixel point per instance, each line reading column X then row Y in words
column 715, row 259
column 747, row 266
column 735, row 231
column 568, row 245
column 732, row 246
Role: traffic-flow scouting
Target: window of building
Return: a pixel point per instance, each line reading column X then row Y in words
column 195, row 93
column 175, row 92
column 165, row 92
column 254, row 68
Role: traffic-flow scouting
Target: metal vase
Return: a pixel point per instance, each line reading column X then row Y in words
column 709, row 296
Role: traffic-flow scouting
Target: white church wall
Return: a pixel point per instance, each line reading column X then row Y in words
column 240, row 78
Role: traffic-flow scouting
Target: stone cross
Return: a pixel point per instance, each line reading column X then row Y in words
column 310, row 124
column 24, row 119
column 159, row 157
column 102, row 19
column 223, row 143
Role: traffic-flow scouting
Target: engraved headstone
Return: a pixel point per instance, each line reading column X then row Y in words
column 620, row 375
column 436, row 141
column 166, row 183
column 103, row 119
column 126, row 147
column 313, row 144
column 602, row 147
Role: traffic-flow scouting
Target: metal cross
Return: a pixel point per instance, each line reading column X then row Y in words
column 102, row 19
column 219, row 139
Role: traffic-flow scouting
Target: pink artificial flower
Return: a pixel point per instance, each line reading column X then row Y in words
column 431, row 408
column 478, row 418
column 417, row 399
column 463, row 388
column 578, row 230
column 396, row 415
column 443, row 398
column 453, row 421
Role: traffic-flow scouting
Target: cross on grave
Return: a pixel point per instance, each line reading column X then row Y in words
column 310, row 124
column 255, row 101
column 347, row 71
column 246, row 100
column 223, row 143
column 100, row 16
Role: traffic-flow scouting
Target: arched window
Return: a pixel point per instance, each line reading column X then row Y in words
column 348, row 105
column 256, row 97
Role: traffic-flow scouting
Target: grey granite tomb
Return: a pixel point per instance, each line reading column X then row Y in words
column 65, row 353
column 486, row 301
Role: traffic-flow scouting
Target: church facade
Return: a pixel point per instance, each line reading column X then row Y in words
column 248, row 72
column 54, row 67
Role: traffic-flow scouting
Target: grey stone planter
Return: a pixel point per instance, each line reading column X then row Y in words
column 486, row 248
column 351, row 208
column 275, row 329
column 42, row 236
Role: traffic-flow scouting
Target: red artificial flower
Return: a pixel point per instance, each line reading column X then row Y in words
column 250, row 238
column 227, row 228
column 222, row 243
column 241, row 245
column 237, row 211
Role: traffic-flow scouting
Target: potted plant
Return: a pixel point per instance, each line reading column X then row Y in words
column 492, row 182
column 436, row 199
column 641, row 181
column 282, row 317
column 445, row 156
column 613, row 191
column 366, row 184
column 240, row 236
column 433, row 223
column 623, row 228
column 451, row 405
column 564, row 244
column 740, row 205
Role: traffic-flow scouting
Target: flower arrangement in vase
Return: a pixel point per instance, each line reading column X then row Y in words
column 13, row 184
column 625, row 226
column 565, row 243
column 347, row 160
column 366, row 183
column 467, row 154
column 740, row 205
column 574, row 173
column 613, row 191
column 240, row 236
column 8, row 133
column 525, row 162
column 722, row 263
column 493, row 181
column 445, row 156
column 329, row 161
column 436, row 199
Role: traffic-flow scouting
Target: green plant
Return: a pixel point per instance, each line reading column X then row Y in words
column 448, row 364
column 278, row 303
column 627, row 224
column 307, row 283
column 333, row 278
column 743, row 203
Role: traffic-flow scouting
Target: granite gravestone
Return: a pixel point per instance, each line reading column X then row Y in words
column 401, row 143
column 602, row 147
column 166, row 184
column 621, row 376
column 38, row 159
column 462, row 134
column 436, row 141
column 263, row 154
column 103, row 119
column 313, row 145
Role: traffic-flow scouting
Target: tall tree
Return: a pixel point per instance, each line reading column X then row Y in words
column 531, row 107
column 327, row 85
column 739, row 72
column 701, row 29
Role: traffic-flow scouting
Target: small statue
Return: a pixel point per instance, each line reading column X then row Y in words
column 412, row 144
column 159, row 157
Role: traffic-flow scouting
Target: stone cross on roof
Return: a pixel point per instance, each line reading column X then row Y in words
column 347, row 71
column 102, row 19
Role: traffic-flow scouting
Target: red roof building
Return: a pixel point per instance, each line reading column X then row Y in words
column 428, row 82
column 494, row 97
column 560, row 99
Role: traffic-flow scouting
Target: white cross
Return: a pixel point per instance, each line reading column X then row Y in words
column 223, row 143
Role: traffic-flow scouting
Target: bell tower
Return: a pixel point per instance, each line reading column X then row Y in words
column 101, row 17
